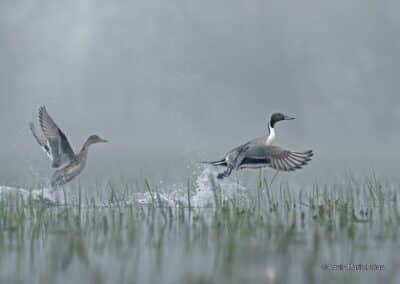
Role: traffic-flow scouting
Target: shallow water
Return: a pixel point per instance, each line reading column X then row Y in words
column 248, row 228
column 203, row 194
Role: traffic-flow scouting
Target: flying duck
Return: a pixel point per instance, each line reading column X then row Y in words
column 260, row 152
column 55, row 144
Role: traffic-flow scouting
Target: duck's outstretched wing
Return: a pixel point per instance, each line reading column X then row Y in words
column 59, row 148
column 275, row 157
column 42, row 141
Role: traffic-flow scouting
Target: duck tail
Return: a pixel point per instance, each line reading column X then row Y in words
column 221, row 162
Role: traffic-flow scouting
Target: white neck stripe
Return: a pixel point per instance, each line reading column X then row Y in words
column 271, row 136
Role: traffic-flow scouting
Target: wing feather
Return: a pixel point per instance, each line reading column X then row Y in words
column 59, row 148
column 41, row 139
column 275, row 157
column 290, row 160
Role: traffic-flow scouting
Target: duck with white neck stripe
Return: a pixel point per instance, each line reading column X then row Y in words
column 260, row 152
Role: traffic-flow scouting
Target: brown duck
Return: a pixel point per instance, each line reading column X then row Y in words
column 55, row 144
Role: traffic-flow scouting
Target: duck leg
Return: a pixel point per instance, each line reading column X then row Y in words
column 57, row 179
column 226, row 173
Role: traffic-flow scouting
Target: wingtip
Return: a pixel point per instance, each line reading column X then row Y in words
column 42, row 113
column 42, row 109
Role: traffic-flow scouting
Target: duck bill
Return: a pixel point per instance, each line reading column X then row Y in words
column 289, row 117
column 104, row 141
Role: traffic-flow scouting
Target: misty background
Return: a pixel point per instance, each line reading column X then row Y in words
column 199, row 77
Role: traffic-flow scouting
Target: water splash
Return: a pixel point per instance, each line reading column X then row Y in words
column 208, row 191
column 203, row 195
column 44, row 194
column 207, row 184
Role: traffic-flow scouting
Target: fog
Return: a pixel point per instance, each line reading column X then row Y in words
column 180, row 77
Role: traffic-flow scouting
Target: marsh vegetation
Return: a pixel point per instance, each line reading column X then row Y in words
column 206, row 232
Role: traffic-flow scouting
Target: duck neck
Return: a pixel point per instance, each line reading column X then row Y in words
column 271, row 136
column 85, row 148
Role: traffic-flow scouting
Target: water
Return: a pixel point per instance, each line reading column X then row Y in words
column 203, row 194
column 247, row 228
column 44, row 194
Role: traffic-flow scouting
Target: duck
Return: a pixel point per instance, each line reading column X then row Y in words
column 55, row 144
column 261, row 152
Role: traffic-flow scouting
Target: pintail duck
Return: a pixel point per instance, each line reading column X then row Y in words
column 55, row 144
column 260, row 152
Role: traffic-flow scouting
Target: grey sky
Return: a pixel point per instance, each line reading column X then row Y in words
column 187, row 75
